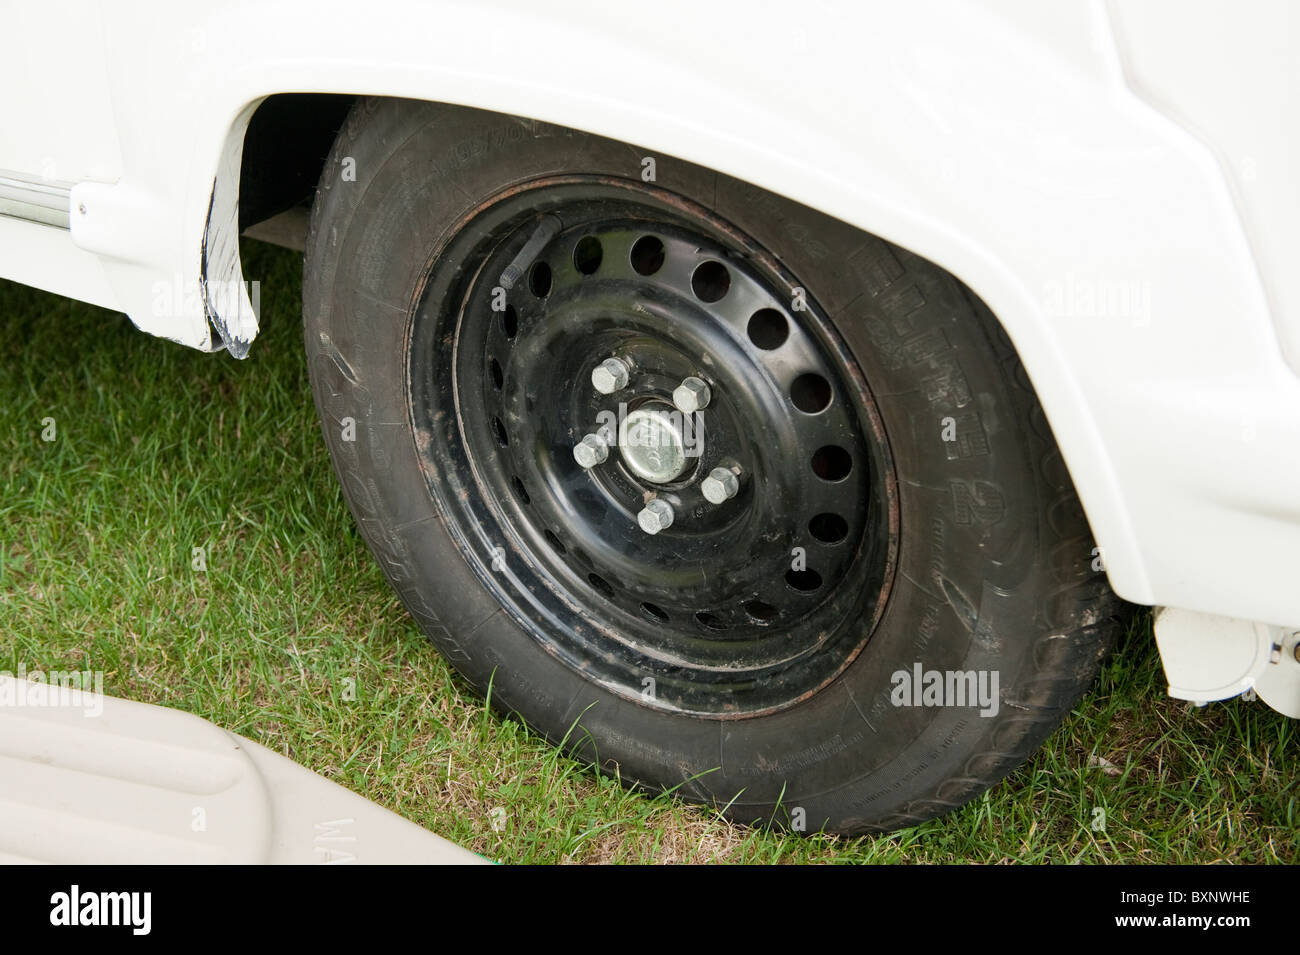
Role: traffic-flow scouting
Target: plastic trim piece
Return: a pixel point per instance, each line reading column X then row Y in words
column 33, row 200
column 90, row 779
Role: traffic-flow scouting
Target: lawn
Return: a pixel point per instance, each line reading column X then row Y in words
column 158, row 450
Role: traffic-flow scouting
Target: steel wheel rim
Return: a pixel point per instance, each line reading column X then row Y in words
column 717, row 615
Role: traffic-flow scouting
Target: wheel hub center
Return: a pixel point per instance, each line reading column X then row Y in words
column 654, row 446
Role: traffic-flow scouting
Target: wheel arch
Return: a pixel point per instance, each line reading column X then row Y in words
column 1026, row 191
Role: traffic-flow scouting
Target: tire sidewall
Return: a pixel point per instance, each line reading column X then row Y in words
column 989, row 556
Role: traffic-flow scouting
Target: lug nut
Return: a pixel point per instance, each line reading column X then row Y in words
column 721, row 485
column 593, row 449
column 610, row 376
column 655, row 516
column 691, row 395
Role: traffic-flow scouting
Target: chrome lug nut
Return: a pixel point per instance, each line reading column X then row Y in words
column 691, row 395
column 610, row 376
column 593, row 449
column 721, row 485
column 655, row 516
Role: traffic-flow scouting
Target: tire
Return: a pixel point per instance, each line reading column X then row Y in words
column 966, row 552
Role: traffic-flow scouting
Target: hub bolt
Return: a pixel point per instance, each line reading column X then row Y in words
column 593, row 449
column 655, row 516
column 721, row 485
column 610, row 376
column 691, row 395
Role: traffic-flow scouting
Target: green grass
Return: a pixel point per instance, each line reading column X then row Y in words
column 160, row 449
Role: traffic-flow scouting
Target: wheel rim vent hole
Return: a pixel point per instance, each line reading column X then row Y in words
column 710, row 621
column 768, row 329
column 804, row 581
column 539, row 280
column 828, row 528
column 832, row 463
column 657, row 614
column 710, row 281
column 811, row 393
column 647, row 255
column 587, row 255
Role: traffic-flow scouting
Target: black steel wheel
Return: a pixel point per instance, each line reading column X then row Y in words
column 733, row 608
column 667, row 464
